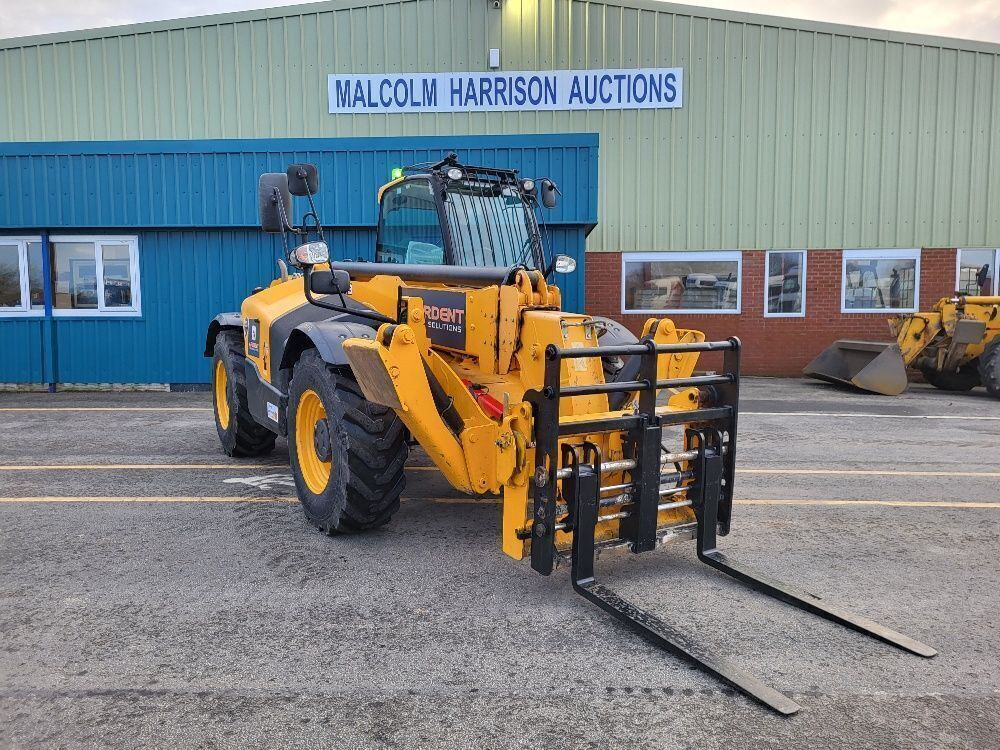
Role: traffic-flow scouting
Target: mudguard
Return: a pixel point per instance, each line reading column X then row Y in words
column 220, row 321
column 327, row 337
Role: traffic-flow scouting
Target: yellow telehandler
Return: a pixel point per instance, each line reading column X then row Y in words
column 454, row 339
column 955, row 346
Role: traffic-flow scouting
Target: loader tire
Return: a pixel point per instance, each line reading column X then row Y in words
column 240, row 434
column 989, row 367
column 347, row 453
column 965, row 378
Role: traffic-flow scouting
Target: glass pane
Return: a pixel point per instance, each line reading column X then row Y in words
column 10, row 276
column 36, row 289
column 74, row 268
column 681, row 284
column 784, row 282
column 117, row 276
column 408, row 227
column 490, row 224
column 876, row 284
column 976, row 271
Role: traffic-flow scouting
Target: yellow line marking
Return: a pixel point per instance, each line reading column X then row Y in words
column 157, row 499
column 105, row 408
column 270, row 467
column 873, row 472
column 888, row 503
column 483, row 501
column 863, row 415
column 136, row 467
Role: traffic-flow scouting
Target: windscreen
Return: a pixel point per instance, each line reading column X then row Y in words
column 490, row 224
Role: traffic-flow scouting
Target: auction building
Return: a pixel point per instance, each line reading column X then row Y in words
column 785, row 181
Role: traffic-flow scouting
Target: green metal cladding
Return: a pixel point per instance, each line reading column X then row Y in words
column 792, row 134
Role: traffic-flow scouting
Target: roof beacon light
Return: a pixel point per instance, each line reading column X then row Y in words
column 397, row 173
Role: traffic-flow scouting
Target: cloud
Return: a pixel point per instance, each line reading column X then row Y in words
column 969, row 19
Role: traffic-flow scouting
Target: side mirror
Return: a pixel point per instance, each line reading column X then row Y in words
column 564, row 264
column 274, row 202
column 311, row 253
column 549, row 192
column 329, row 282
column 303, row 179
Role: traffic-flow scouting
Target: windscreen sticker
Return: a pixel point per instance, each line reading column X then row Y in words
column 444, row 316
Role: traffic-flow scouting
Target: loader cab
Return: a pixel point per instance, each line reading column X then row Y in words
column 452, row 214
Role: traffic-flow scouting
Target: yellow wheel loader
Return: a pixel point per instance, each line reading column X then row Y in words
column 956, row 346
column 454, row 339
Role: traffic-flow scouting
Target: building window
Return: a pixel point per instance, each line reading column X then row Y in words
column 21, row 291
column 880, row 281
column 672, row 282
column 976, row 271
column 91, row 276
column 786, row 284
column 94, row 276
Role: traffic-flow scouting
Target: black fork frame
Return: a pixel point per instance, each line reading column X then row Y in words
column 711, row 432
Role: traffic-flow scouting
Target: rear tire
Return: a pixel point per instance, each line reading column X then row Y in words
column 964, row 379
column 347, row 453
column 989, row 367
column 240, row 434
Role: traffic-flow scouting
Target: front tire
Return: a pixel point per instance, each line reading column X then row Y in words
column 989, row 367
column 240, row 434
column 965, row 378
column 347, row 453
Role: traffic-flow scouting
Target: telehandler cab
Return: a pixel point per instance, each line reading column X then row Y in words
column 454, row 338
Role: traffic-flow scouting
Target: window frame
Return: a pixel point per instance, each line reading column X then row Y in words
column 97, row 240
column 879, row 254
column 802, row 283
column 685, row 255
column 958, row 267
column 24, row 311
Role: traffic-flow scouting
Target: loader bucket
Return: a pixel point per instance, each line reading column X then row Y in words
column 869, row 365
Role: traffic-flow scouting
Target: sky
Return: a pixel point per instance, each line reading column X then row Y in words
column 966, row 19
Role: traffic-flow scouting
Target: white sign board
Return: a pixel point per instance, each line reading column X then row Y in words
column 500, row 91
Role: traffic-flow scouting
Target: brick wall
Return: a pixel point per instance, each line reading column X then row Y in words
column 777, row 346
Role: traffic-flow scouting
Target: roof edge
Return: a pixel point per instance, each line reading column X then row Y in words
column 251, row 145
column 660, row 6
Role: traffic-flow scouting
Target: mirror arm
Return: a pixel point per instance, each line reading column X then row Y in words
column 370, row 314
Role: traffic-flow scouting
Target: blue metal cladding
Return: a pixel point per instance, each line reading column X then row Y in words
column 193, row 207
column 168, row 184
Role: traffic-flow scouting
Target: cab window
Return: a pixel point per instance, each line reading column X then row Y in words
column 408, row 226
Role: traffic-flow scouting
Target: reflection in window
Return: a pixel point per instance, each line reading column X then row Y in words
column 10, row 276
column 117, row 276
column 880, row 282
column 977, row 271
column 36, row 288
column 74, row 270
column 695, row 282
column 786, row 282
column 408, row 229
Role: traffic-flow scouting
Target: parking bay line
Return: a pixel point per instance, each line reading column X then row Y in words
column 834, row 472
column 947, row 504
column 863, row 415
column 139, row 467
column 272, row 467
column 105, row 408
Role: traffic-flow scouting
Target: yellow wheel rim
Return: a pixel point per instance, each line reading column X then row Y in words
column 315, row 471
column 221, row 381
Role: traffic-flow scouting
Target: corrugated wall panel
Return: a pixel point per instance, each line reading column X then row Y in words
column 792, row 133
column 142, row 184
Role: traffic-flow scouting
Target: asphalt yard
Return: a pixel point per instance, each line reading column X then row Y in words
column 156, row 594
